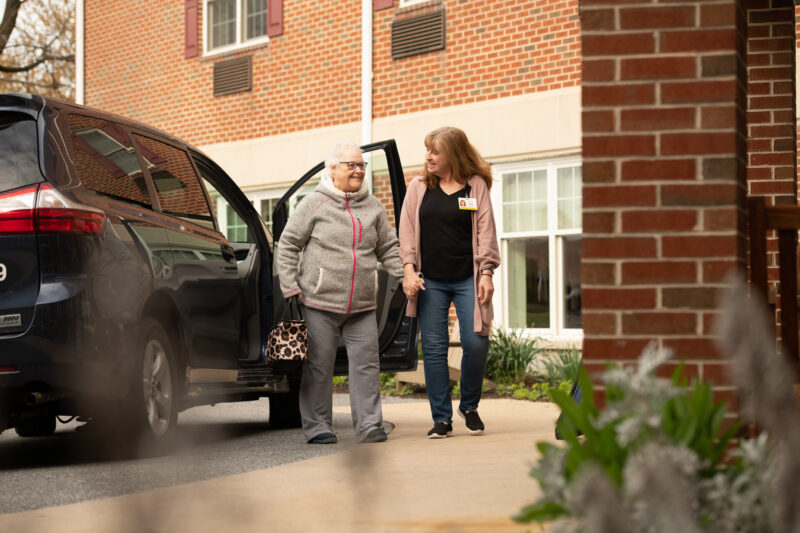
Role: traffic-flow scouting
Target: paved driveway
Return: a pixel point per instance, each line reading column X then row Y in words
column 409, row 483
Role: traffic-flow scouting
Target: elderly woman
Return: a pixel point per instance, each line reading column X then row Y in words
column 342, row 232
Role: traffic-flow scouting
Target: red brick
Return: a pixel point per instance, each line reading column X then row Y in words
column 775, row 158
column 659, row 323
column 689, row 298
column 717, row 373
column 697, row 40
column 611, row 95
column 697, row 143
column 599, row 70
column 699, row 195
column 658, row 68
column 724, row 219
column 718, row 15
column 634, row 18
column 698, row 91
column 657, row 119
column 658, row 169
column 597, row 20
column 716, row 271
column 597, row 273
column 598, row 222
column 597, row 121
column 693, row 348
column 618, row 196
column 599, row 172
column 619, row 298
column 599, row 323
column 764, row 188
column 618, row 247
column 617, row 348
column 618, row 145
column 774, row 73
column 770, row 102
column 616, row 44
column 658, row 221
column 658, row 272
column 699, row 246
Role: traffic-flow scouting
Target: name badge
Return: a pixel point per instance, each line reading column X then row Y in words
column 468, row 204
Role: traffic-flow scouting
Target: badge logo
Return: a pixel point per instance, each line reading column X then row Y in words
column 3, row 272
column 10, row 321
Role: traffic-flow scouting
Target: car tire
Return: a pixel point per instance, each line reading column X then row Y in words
column 154, row 395
column 37, row 426
column 284, row 409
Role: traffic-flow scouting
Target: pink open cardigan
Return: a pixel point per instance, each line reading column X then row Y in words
column 485, row 253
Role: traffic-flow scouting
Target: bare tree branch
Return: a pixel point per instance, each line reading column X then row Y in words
column 9, row 21
column 36, row 63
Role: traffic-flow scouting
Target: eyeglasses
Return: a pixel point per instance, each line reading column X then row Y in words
column 351, row 165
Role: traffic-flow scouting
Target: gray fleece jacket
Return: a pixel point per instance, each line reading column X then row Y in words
column 342, row 236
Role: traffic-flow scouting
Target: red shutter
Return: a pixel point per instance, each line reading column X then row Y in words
column 274, row 18
column 377, row 5
column 190, row 28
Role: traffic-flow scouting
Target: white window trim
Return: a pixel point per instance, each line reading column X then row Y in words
column 239, row 44
column 407, row 3
column 556, row 332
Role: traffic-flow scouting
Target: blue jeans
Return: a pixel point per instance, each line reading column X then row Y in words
column 432, row 308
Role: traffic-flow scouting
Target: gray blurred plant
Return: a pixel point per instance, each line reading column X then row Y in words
column 654, row 459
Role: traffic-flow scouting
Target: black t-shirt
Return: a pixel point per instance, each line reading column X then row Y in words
column 445, row 236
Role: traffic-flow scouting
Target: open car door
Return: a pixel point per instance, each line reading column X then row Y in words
column 397, row 333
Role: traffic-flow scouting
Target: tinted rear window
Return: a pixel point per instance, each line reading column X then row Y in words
column 19, row 155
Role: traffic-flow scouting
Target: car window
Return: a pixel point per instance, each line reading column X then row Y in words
column 19, row 160
column 177, row 186
column 229, row 221
column 106, row 161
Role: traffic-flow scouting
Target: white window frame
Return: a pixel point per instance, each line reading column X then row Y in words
column 240, row 43
column 557, row 330
column 407, row 3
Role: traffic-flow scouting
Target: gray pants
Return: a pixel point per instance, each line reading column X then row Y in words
column 360, row 334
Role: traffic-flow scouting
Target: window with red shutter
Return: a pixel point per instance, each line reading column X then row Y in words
column 229, row 24
column 275, row 18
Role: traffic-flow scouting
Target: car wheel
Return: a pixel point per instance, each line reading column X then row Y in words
column 284, row 409
column 37, row 426
column 154, row 395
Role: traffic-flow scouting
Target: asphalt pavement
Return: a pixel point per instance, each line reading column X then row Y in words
column 231, row 473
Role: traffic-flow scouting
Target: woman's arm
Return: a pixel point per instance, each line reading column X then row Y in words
column 293, row 239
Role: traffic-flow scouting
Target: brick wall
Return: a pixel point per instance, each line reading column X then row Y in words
column 310, row 77
column 664, row 176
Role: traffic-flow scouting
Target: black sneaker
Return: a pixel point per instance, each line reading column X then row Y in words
column 440, row 430
column 376, row 435
column 474, row 422
column 323, row 438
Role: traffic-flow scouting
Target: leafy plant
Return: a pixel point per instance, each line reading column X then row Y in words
column 510, row 355
column 643, row 415
column 562, row 366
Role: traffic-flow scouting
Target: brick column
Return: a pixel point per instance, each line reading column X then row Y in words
column 664, row 176
column 771, row 122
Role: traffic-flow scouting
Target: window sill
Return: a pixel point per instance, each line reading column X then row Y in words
column 230, row 50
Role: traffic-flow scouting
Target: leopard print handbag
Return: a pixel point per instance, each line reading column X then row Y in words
column 287, row 342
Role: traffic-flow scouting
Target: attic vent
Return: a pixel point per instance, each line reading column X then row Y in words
column 233, row 76
column 418, row 35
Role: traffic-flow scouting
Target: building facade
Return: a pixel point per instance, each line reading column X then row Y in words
column 265, row 87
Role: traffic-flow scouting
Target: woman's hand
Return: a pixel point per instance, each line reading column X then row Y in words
column 412, row 284
column 485, row 289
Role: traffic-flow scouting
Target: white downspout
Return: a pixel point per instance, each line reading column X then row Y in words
column 79, row 52
column 366, row 79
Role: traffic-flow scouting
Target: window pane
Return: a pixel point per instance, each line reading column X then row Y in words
column 105, row 159
column 236, row 228
column 267, row 206
column 528, row 292
column 572, row 281
column 255, row 18
column 569, row 197
column 178, row 187
column 221, row 22
column 539, row 201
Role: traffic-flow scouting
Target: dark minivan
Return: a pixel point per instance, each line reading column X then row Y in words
column 136, row 279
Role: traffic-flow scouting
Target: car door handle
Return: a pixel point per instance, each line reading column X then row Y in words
column 227, row 252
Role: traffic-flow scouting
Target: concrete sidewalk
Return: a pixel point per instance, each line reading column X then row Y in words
column 409, row 483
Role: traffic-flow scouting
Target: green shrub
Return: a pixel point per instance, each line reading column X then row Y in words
column 562, row 366
column 510, row 355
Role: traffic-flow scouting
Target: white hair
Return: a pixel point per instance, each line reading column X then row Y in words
column 335, row 156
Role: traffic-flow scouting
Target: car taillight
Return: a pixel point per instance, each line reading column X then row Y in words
column 23, row 212
column 56, row 214
column 16, row 211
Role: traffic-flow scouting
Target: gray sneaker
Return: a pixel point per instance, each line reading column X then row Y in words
column 474, row 422
column 376, row 435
